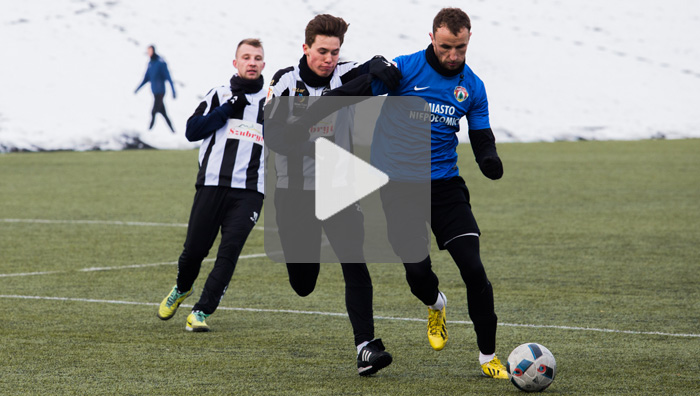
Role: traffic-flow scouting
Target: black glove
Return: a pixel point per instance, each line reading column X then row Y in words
column 484, row 146
column 238, row 101
column 491, row 167
column 297, row 131
column 384, row 70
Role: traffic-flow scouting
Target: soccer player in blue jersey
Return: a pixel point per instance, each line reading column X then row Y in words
column 440, row 76
column 451, row 90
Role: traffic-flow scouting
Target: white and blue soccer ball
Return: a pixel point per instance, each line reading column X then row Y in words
column 531, row 367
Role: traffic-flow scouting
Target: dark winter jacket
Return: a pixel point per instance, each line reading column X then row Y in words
column 157, row 73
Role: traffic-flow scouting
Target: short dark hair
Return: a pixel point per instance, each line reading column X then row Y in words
column 326, row 25
column 253, row 42
column 453, row 18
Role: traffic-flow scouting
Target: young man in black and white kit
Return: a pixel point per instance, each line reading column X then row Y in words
column 319, row 71
column 230, row 183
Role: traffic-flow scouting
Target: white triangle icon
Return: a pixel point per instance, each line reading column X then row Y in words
column 342, row 178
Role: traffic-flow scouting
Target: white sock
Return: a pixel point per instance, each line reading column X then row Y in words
column 486, row 358
column 359, row 347
column 440, row 303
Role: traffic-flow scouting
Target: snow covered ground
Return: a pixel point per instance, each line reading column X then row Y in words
column 553, row 69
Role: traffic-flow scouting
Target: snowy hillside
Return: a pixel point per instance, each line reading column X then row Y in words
column 554, row 70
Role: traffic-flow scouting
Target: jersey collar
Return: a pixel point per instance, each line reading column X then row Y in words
column 435, row 63
column 311, row 78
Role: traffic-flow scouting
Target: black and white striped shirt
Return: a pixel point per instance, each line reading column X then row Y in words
column 299, row 172
column 232, row 155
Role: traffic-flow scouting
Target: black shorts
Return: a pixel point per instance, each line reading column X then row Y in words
column 446, row 209
column 451, row 214
column 406, row 207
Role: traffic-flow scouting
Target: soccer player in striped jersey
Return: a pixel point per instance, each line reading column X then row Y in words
column 319, row 70
column 229, row 186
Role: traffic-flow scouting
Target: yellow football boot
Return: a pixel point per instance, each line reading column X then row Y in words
column 437, row 328
column 196, row 323
column 170, row 303
column 494, row 369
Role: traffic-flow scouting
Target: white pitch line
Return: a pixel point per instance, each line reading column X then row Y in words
column 337, row 314
column 88, row 300
column 102, row 222
column 247, row 256
column 91, row 269
column 31, row 274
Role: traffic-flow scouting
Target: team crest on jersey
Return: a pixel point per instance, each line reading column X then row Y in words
column 270, row 94
column 461, row 93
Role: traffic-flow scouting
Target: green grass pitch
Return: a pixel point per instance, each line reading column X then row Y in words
column 593, row 249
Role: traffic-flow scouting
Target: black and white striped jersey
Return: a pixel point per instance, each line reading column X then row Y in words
column 233, row 155
column 298, row 172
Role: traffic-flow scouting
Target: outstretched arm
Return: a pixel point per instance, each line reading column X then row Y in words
column 145, row 80
column 377, row 72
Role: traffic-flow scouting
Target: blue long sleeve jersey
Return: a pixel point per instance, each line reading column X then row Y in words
column 449, row 99
column 157, row 74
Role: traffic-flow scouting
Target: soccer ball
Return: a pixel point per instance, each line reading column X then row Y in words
column 531, row 367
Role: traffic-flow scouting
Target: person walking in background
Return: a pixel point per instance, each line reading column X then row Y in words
column 157, row 74
column 230, row 183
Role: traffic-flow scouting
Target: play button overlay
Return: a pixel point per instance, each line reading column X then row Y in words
column 352, row 188
column 342, row 179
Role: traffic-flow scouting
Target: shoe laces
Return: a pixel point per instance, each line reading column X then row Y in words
column 435, row 321
column 200, row 316
column 174, row 295
column 172, row 298
column 495, row 363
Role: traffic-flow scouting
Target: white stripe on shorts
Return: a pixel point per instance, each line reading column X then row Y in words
column 458, row 236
